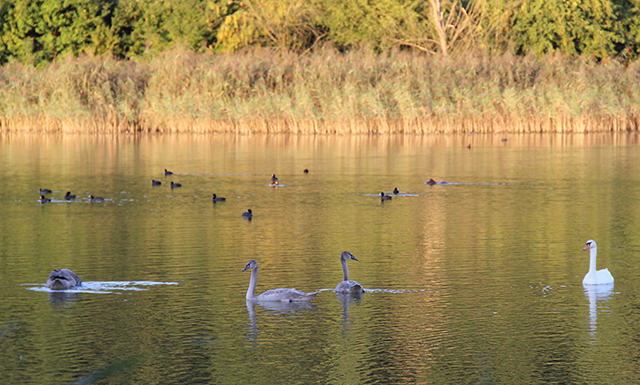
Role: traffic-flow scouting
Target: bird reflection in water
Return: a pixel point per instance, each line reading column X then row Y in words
column 63, row 299
column 596, row 294
column 275, row 308
column 348, row 300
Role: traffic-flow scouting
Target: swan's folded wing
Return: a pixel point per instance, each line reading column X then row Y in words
column 349, row 287
column 286, row 294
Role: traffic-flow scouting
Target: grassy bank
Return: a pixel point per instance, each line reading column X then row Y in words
column 325, row 92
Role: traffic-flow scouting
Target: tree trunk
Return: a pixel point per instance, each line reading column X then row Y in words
column 438, row 23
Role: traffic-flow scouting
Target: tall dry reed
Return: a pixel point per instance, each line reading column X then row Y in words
column 325, row 92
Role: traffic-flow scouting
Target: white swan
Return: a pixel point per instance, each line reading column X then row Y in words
column 282, row 294
column 596, row 277
column 347, row 285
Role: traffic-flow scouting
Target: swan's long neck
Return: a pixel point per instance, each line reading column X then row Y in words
column 345, row 269
column 592, row 259
column 251, row 292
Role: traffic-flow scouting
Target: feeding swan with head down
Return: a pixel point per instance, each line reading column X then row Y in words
column 62, row 280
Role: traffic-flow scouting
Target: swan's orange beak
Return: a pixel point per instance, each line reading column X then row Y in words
column 586, row 247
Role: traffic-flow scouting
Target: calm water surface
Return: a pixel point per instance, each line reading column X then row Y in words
column 477, row 281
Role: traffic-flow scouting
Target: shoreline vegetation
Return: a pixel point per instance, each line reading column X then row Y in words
column 322, row 92
column 319, row 66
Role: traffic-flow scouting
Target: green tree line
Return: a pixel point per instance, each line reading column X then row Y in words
column 38, row 31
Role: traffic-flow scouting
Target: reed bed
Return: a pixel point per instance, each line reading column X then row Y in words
column 326, row 92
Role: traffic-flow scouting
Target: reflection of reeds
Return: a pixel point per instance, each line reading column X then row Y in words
column 326, row 92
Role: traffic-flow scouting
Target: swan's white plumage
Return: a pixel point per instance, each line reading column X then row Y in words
column 595, row 277
column 347, row 285
column 282, row 294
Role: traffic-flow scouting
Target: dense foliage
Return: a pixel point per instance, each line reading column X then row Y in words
column 37, row 31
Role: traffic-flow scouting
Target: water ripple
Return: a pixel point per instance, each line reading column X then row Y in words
column 103, row 287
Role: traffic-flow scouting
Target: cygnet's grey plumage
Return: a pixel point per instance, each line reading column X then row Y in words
column 347, row 285
column 282, row 294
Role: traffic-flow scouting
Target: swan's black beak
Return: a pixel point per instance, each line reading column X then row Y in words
column 246, row 267
column 354, row 258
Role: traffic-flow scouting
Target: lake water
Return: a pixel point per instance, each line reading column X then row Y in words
column 473, row 282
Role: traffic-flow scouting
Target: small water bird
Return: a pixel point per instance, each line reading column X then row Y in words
column 274, row 178
column 469, row 146
column 44, row 191
column 347, row 285
column 431, row 182
column 384, row 197
column 173, row 185
column 218, row 199
column 306, row 171
column 155, row 182
column 95, row 199
column 68, row 196
column 247, row 214
column 395, row 190
column 281, row 295
column 595, row 277
column 167, row 172
column 62, row 280
column 44, row 200
column 274, row 184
